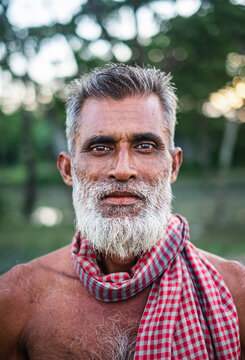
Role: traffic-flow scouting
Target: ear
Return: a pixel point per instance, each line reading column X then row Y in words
column 64, row 166
column 176, row 162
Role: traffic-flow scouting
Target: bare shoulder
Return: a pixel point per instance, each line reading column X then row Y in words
column 11, row 286
column 28, row 279
column 13, row 304
column 58, row 261
column 20, row 289
column 233, row 274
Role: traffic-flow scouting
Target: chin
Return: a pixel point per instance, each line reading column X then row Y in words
column 122, row 211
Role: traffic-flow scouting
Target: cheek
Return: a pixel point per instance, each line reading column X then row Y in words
column 154, row 170
column 89, row 170
column 158, row 174
column 81, row 167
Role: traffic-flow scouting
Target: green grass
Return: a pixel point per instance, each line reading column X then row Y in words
column 21, row 241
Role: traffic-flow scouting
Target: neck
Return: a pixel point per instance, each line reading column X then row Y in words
column 112, row 264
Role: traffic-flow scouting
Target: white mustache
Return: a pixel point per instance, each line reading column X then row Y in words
column 103, row 188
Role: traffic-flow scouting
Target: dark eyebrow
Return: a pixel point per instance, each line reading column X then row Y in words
column 147, row 137
column 103, row 139
column 98, row 139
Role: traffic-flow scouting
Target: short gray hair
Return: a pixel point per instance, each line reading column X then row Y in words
column 117, row 81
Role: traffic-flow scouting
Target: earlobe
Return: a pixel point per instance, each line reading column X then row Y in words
column 176, row 162
column 64, row 166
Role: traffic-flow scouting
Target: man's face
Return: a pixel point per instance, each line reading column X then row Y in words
column 121, row 174
column 122, row 141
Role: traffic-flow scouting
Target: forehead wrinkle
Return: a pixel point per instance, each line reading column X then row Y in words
column 126, row 108
column 129, row 110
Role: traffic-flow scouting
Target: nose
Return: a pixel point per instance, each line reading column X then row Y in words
column 123, row 168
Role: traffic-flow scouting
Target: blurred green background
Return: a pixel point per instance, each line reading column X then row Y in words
column 45, row 44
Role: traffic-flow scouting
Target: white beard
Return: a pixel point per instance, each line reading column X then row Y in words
column 121, row 234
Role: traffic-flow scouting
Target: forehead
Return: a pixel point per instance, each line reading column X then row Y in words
column 122, row 117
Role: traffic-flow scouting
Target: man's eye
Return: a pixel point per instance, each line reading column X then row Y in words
column 100, row 148
column 145, row 146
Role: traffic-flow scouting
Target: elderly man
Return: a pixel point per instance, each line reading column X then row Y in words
column 131, row 285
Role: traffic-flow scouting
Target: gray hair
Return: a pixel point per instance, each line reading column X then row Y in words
column 117, row 81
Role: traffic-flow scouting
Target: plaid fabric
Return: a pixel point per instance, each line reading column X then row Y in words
column 189, row 314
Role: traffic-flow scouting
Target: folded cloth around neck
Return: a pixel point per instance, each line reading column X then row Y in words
column 189, row 313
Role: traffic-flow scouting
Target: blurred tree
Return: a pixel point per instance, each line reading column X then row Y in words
column 195, row 51
column 13, row 42
column 21, row 45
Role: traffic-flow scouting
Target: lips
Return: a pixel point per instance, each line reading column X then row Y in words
column 121, row 198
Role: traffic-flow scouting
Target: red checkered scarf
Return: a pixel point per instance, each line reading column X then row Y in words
column 189, row 314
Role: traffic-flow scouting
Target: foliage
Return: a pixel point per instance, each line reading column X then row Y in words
column 10, row 129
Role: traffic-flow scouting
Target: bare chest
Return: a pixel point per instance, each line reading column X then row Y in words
column 73, row 325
